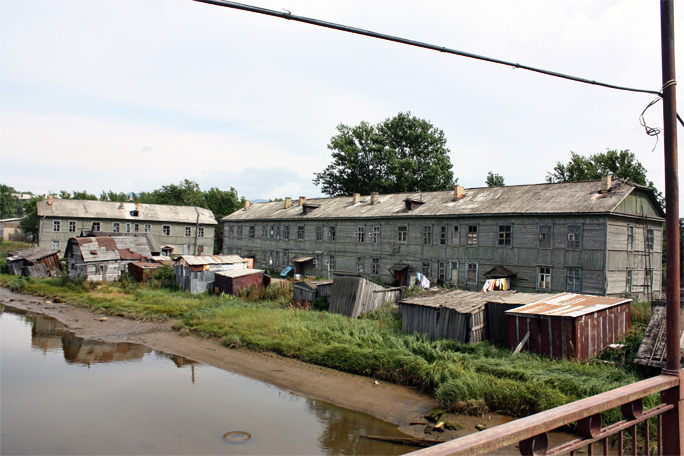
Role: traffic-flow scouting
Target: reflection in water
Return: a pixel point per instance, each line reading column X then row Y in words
column 64, row 395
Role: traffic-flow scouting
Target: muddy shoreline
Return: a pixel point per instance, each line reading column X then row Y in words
column 386, row 401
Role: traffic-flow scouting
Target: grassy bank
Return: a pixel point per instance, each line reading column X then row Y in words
column 464, row 378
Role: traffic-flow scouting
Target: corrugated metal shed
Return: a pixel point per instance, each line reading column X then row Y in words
column 497, row 326
column 569, row 325
column 557, row 198
column 233, row 281
column 125, row 211
column 353, row 295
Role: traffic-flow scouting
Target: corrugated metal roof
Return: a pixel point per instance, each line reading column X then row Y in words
column 558, row 198
column 568, row 305
column 460, row 300
column 198, row 260
column 123, row 211
column 103, row 248
column 31, row 254
column 240, row 272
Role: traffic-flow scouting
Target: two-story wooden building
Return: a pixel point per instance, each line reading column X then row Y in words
column 595, row 237
column 179, row 230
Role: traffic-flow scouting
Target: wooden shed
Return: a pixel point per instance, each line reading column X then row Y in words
column 456, row 314
column 353, row 295
column 231, row 282
column 305, row 293
column 197, row 273
column 34, row 262
column 569, row 325
column 104, row 258
column 652, row 349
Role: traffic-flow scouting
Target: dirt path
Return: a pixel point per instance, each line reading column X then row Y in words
column 389, row 402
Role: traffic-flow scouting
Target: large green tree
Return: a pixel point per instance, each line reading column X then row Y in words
column 221, row 203
column 30, row 224
column 401, row 154
column 10, row 205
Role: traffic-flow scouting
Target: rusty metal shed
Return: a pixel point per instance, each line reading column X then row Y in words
column 569, row 325
column 497, row 326
column 231, row 282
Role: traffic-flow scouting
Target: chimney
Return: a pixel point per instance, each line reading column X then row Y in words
column 138, row 207
column 374, row 197
column 247, row 204
column 50, row 202
column 302, row 200
column 356, row 198
column 459, row 192
column 606, row 183
column 288, row 202
column 121, row 206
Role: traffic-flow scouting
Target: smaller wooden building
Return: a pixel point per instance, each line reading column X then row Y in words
column 104, row 258
column 142, row 271
column 353, row 295
column 569, row 325
column 34, row 262
column 306, row 292
column 231, row 282
column 197, row 273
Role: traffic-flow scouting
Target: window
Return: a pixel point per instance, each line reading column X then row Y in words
column 427, row 235
column 426, row 268
column 455, row 240
column 574, row 237
column 116, row 227
column 361, row 234
column 545, row 236
column 319, row 261
column 55, row 245
column 166, row 230
column 300, row 232
column 95, row 226
column 231, row 231
column 359, row 264
column 331, row 262
column 286, row 257
column 472, row 236
column 630, row 238
column 277, row 232
column 574, row 280
column 56, row 225
column 200, row 249
column 442, row 235
column 471, row 273
column 453, row 265
column 277, row 258
column 72, row 226
column 148, row 228
column 319, row 233
column 286, row 232
column 251, row 232
column 263, row 231
column 128, row 227
column 628, row 282
column 375, row 266
column 332, row 233
column 200, row 231
column 238, row 232
column 188, row 231
column 648, row 280
column 650, row 240
column 136, row 227
column 441, row 271
column 543, row 278
column 375, row 234
column 402, row 233
column 272, row 232
column 505, row 235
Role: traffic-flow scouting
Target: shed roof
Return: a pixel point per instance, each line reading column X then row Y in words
column 198, row 260
column 550, row 198
column 105, row 248
column 240, row 272
column 460, row 300
column 124, row 211
column 568, row 305
column 31, row 254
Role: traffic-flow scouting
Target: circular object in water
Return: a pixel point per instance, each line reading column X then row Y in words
column 237, row 436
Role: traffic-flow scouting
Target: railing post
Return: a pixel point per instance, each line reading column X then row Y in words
column 673, row 420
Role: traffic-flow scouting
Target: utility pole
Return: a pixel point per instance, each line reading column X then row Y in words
column 673, row 420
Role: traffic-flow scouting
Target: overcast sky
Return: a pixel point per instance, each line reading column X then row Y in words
column 130, row 95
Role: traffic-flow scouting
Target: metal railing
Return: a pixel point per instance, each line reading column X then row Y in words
column 531, row 432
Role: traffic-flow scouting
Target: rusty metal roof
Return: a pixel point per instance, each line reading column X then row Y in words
column 199, row 260
column 104, row 248
column 568, row 305
column 556, row 198
column 125, row 211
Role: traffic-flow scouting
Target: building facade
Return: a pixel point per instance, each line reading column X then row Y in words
column 179, row 230
column 594, row 237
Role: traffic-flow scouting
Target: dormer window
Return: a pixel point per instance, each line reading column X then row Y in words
column 308, row 208
column 412, row 204
column 135, row 213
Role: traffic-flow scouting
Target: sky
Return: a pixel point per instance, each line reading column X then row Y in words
column 129, row 95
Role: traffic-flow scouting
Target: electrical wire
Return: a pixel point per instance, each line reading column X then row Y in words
column 289, row 16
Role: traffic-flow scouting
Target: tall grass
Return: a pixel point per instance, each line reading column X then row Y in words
column 464, row 378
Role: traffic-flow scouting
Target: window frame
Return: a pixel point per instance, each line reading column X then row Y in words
column 650, row 239
column 402, row 234
column 544, row 276
column 427, row 234
column 573, row 284
column 116, row 227
column 468, row 270
column 545, row 243
column 361, row 234
column 71, row 228
column 300, row 232
column 332, row 233
column 93, row 224
column 166, row 230
column 375, row 266
column 473, row 237
column 200, row 231
column 630, row 238
column 575, row 231
column 56, row 226
column 505, row 237
column 188, row 231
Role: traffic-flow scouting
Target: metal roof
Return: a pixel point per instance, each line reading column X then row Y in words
column 568, row 305
column 124, row 211
column 199, row 260
column 240, row 272
column 556, row 198
column 105, row 248
column 31, row 254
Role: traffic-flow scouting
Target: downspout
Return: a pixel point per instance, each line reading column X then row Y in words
column 196, row 228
